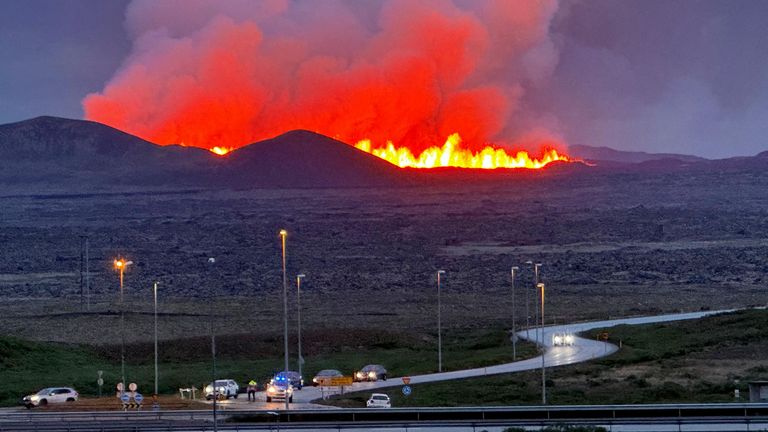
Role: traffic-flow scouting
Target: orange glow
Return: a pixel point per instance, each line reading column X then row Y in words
column 452, row 154
column 221, row 151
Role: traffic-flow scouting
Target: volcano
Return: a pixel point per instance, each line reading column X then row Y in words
column 58, row 154
column 50, row 154
column 302, row 159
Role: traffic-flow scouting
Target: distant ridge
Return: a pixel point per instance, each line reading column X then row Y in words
column 57, row 155
column 607, row 154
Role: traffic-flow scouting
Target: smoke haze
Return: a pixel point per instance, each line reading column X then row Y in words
column 228, row 73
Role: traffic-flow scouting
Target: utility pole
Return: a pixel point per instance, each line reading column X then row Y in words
column 87, row 277
column 82, row 265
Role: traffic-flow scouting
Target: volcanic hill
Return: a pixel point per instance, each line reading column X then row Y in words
column 57, row 155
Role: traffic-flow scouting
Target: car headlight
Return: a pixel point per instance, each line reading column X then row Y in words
column 359, row 375
column 34, row 398
column 371, row 374
column 271, row 389
column 208, row 389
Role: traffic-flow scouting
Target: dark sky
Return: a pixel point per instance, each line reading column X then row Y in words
column 672, row 76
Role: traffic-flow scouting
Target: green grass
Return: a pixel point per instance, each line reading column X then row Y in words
column 658, row 363
column 26, row 366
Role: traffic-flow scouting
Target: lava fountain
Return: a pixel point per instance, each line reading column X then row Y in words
column 452, row 154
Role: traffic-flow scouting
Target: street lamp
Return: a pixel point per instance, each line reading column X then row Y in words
column 120, row 266
column 514, row 330
column 298, row 316
column 155, row 297
column 214, row 396
column 439, row 326
column 543, row 351
column 535, row 287
column 283, row 235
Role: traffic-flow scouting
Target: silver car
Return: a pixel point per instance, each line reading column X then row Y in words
column 371, row 372
column 50, row 395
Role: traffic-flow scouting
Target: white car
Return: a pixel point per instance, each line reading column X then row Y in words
column 225, row 389
column 279, row 390
column 379, row 400
column 563, row 339
column 50, row 395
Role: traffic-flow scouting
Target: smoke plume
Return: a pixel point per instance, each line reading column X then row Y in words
column 228, row 73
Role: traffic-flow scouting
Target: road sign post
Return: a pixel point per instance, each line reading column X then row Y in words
column 125, row 398
column 407, row 390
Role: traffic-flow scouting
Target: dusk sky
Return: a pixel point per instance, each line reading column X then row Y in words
column 657, row 76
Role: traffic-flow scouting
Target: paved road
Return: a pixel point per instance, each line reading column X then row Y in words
column 582, row 350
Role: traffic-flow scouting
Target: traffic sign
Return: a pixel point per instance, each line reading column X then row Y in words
column 407, row 390
column 132, row 387
column 138, row 398
column 406, row 380
column 125, row 397
column 100, row 382
column 338, row 381
column 119, row 386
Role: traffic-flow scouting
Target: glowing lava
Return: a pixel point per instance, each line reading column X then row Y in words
column 221, row 151
column 451, row 154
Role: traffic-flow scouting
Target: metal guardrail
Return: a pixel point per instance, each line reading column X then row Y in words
column 356, row 415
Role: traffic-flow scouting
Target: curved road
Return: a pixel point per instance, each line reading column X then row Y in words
column 582, row 350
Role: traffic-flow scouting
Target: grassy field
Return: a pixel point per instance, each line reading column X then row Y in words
column 689, row 361
column 28, row 366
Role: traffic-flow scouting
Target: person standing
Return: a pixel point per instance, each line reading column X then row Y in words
column 252, row 391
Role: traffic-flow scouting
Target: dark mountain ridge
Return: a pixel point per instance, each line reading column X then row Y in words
column 55, row 154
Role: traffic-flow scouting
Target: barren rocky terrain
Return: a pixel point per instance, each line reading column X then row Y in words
column 611, row 244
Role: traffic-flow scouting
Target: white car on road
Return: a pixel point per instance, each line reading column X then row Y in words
column 50, row 395
column 379, row 400
column 225, row 389
column 279, row 390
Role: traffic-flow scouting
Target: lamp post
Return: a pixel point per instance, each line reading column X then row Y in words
column 155, row 298
column 283, row 235
column 535, row 288
column 120, row 266
column 543, row 374
column 214, row 396
column 514, row 329
column 298, row 315
column 439, row 325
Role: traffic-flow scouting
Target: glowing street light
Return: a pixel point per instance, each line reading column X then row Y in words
column 439, row 326
column 283, row 235
column 120, row 265
column 298, row 315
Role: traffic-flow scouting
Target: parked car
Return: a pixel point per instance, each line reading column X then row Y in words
column 50, row 395
column 379, row 400
column 371, row 372
column 292, row 377
column 225, row 389
column 279, row 390
column 326, row 374
column 563, row 339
